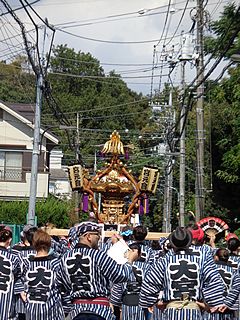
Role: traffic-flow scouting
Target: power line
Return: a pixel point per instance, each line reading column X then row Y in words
column 101, row 77
column 112, row 20
column 179, row 23
column 104, row 63
column 120, row 115
column 23, row 31
column 110, row 41
column 108, row 107
column 165, row 22
column 19, row 8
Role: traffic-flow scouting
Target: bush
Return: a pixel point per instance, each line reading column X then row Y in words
column 50, row 210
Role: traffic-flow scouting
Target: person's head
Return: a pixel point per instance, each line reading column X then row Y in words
column 233, row 244
column 92, row 217
column 28, row 233
column 197, row 235
column 5, row 236
column 221, row 255
column 231, row 236
column 155, row 245
column 139, row 233
column 135, row 246
column 180, row 239
column 127, row 233
column 89, row 234
column 41, row 241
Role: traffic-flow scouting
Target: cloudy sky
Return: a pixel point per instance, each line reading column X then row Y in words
column 121, row 34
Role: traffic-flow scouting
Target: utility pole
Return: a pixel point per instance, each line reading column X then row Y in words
column 199, row 187
column 186, row 55
column 78, row 141
column 35, row 153
column 168, row 196
column 182, row 150
column 36, row 140
column 167, row 204
column 77, row 158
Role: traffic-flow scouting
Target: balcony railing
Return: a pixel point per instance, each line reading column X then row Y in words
column 11, row 174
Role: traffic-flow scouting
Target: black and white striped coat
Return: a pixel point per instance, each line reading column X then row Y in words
column 89, row 273
column 43, row 294
column 191, row 271
column 10, row 274
column 23, row 252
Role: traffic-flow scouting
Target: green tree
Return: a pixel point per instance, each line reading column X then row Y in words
column 104, row 102
column 223, row 101
column 226, row 38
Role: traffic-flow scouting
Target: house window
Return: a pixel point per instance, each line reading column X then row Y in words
column 1, row 114
column 11, row 166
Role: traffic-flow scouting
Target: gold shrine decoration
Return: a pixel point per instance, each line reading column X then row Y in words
column 149, row 179
column 75, row 174
column 114, row 145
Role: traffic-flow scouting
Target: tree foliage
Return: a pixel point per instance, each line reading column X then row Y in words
column 223, row 100
column 51, row 210
column 225, row 30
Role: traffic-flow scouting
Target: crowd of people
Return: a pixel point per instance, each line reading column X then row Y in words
column 177, row 278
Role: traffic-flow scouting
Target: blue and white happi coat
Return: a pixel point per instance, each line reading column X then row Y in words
column 191, row 272
column 10, row 275
column 87, row 273
column 23, row 252
column 118, row 290
column 59, row 247
column 226, row 272
column 43, row 294
column 235, row 261
column 234, row 291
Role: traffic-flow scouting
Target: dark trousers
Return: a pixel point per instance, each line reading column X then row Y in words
column 88, row 316
column 117, row 312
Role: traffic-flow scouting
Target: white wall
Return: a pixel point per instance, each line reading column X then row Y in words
column 15, row 132
column 56, row 159
column 21, row 189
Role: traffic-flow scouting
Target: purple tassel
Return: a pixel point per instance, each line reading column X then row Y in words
column 126, row 154
column 100, row 155
column 141, row 207
column 85, row 202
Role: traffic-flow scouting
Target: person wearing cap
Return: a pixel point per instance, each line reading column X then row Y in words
column 73, row 236
column 24, row 250
column 86, row 274
column 185, row 277
column 10, row 272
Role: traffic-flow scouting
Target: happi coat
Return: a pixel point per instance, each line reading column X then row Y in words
column 23, row 252
column 127, row 293
column 43, row 293
column 10, row 274
column 192, row 272
column 87, row 273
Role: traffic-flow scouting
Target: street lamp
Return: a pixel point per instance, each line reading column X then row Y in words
column 61, row 127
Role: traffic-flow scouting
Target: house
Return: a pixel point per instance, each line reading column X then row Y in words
column 59, row 184
column 16, row 144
